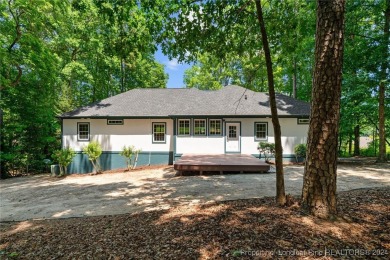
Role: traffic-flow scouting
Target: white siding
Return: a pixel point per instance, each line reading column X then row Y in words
column 137, row 132
column 196, row 144
column 292, row 134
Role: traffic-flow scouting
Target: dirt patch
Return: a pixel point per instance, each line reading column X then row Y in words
column 248, row 229
column 42, row 197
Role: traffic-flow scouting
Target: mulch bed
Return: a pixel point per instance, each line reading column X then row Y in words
column 243, row 229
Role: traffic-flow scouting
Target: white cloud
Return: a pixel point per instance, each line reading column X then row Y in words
column 172, row 64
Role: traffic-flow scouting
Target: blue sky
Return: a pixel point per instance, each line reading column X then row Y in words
column 174, row 69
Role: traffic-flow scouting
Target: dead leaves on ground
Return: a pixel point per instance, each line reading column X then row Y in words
column 250, row 229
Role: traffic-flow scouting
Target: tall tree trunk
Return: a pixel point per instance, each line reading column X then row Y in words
column 356, row 148
column 382, row 86
column 319, row 186
column 280, row 192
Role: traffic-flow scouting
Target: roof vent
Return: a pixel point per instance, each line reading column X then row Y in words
column 246, row 97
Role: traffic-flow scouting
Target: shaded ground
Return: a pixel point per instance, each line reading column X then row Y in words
column 38, row 197
column 244, row 229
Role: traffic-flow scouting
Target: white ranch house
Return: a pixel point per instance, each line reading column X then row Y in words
column 166, row 123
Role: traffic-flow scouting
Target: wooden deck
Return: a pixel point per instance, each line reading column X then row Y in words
column 220, row 163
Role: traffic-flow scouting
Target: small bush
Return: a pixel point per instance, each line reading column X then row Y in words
column 300, row 151
column 128, row 153
column 64, row 157
column 267, row 149
column 94, row 150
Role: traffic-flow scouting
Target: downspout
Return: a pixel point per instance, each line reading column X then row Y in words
column 151, row 135
column 174, row 140
column 62, row 133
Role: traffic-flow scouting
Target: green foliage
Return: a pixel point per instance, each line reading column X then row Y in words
column 60, row 55
column 223, row 38
column 267, row 149
column 364, row 54
column 300, row 151
column 373, row 149
column 64, row 157
column 56, row 62
column 131, row 156
column 94, row 150
column 212, row 73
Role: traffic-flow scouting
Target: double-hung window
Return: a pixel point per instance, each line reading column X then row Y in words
column 159, row 132
column 215, row 127
column 199, row 127
column 83, row 131
column 261, row 131
column 184, row 127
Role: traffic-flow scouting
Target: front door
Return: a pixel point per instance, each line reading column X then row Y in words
column 232, row 137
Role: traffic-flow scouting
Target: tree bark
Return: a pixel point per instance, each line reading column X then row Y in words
column 356, row 148
column 319, row 186
column 280, row 191
column 350, row 144
column 382, row 86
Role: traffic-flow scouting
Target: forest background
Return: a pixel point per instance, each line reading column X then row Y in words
column 58, row 55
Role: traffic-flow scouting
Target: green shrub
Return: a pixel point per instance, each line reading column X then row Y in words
column 64, row 157
column 267, row 149
column 94, row 150
column 300, row 151
column 128, row 153
column 372, row 149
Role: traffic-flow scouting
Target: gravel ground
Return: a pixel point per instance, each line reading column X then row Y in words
column 45, row 197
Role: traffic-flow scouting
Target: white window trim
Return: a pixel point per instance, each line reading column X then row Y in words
column 178, row 127
column 165, row 132
column 266, row 131
column 78, row 131
column 220, row 121
column 205, row 127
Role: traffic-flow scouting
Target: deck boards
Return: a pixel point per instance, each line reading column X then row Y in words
column 221, row 163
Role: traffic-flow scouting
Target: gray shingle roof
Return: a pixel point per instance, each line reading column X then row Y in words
column 228, row 101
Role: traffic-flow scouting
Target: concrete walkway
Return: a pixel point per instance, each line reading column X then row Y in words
column 39, row 197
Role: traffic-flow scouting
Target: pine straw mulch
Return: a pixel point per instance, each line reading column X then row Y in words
column 243, row 229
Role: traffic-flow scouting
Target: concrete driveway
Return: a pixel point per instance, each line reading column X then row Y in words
column 40, row 197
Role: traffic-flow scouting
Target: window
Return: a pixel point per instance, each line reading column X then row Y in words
column 199, row 127
column 261, row 131
column 303, row 121
column 158, row 132
column 114, row 121
column 184, row 127
column 232, row 131
column 83, row 131
column 215, row 127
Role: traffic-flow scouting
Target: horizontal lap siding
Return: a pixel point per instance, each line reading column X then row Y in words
column 137, row 132
column 199, row 145
column 292, row 134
